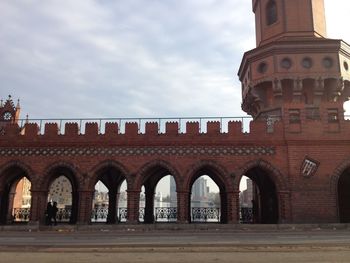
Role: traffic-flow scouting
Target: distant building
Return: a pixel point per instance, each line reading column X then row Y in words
column 61, row 192
column 246, row 196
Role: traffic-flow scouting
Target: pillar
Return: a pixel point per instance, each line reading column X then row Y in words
column 85, row 206
column 11, row 198
column 112, row 206
column 38, row 206
column 149, row 206
column 183, row 207
column 284, row 207
column 233, row 207
column 133, row 206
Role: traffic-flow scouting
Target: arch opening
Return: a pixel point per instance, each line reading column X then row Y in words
column 60, row 196
column 205, row 201
column 15, row 199
column 344, row 197
column 258, row 198
column 110, row 198
column 22, row 200
column 165, row 200
column 100, row 203
column 158, row 198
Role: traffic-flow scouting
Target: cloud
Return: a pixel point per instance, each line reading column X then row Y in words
column 136, row 58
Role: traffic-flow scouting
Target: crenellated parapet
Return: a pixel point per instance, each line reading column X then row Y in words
column 298, row 121
column 142, row 132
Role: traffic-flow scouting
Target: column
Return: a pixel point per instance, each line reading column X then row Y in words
column 85, row 206
column 233, row 207
column 11, row 198
column 38, row 206
column 133, row 206
column 149, row 206
column 183, row 207
column 284, row 207
column 112, row 206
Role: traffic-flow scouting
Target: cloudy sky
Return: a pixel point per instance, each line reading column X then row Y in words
column 131, row 58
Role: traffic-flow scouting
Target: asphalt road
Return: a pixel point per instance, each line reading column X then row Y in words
column 175, row 246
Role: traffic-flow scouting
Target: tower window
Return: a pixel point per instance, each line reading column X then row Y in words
column 271, row 12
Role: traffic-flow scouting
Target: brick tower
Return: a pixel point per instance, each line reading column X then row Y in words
column 295, row 69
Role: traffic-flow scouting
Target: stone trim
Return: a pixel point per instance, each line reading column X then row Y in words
column 138, row 151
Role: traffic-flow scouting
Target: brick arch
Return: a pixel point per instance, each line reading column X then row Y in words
column 76, row 177
column 216, row 172
column 150, row 169
column 94, row 173
column 16, row 164
column 275, row 175
column 336, row 175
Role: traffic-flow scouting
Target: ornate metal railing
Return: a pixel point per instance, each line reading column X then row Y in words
column 140, row 121
column 21, row 214
column 246, row 215
column 162, row 214
column 205, row 214
column 141, row 214
column 63, row 214
column 166, row 214
column 123, row 214
column 99, row 214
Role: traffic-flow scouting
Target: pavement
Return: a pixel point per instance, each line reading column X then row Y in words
column 132, row 244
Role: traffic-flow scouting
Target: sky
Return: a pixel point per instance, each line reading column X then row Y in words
column 134, row 58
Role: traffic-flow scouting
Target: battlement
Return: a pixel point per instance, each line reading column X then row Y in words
column 134, row 128
column 295, row 124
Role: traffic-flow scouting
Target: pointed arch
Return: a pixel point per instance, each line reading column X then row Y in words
column 108, row 164
column 16, row 166
column 275, row 175
column 345, row 165
column 74, row 176
column 221, row 178
column 68, row 169
column 217, row 171
column 11, row 174
column 339, row 188
column 271, row 202
column 159, row 168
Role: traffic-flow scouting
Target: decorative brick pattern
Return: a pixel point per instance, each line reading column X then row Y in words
column 138, row 151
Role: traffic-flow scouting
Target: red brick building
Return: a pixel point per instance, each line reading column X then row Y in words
column 297, row 152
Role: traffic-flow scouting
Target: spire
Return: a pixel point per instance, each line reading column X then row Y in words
column 18, row 105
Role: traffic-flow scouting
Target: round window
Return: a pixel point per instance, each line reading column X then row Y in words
column 262, row 68
column 327, row 62
column 306, row 63
column 286, row 63
column 346, row 66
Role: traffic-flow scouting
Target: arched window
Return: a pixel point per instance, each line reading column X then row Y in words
column 271, row 12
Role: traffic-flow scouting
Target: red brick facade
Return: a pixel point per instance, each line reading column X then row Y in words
column 296, row 151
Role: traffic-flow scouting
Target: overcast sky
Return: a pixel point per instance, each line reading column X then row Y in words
column 131, row 58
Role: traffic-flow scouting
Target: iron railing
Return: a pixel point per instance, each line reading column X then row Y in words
column 205, row 214
column 246, row 215
column 165, row 214
column 21, row 214
column 162, row 214
column 63, row 215
column 99, row 214
column 141, row 123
